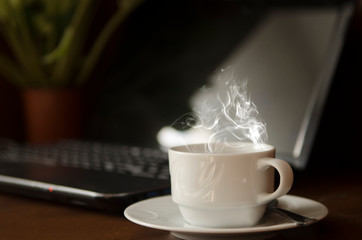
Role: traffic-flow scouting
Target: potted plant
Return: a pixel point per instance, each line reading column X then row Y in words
column 48, row 61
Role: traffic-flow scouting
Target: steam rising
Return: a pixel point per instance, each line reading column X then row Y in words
column 231, row 117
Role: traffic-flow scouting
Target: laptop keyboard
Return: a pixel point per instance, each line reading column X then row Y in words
column 133, row 160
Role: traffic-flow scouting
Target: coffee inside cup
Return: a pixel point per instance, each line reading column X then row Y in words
column 224, row 148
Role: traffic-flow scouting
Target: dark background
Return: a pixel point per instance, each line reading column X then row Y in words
column 166, row 50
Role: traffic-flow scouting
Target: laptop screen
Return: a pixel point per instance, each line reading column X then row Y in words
column 288, row 61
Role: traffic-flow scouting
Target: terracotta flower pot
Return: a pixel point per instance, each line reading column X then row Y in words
column 53, row 114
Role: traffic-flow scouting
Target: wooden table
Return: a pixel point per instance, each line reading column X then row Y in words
column 24, row 218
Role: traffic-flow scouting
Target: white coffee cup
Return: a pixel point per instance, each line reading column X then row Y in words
column 227, row 189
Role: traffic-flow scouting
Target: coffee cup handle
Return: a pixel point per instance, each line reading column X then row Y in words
column 285, row 174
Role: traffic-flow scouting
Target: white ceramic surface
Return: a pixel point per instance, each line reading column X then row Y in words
column 162, row 213
column 229, row 188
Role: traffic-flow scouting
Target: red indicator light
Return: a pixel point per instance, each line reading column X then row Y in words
column 50, row 189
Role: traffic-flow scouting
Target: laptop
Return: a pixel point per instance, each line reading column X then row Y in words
column 90, row 174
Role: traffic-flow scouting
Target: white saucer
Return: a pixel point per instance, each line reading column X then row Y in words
column 162, row 213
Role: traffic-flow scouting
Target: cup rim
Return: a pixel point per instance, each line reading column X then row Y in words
column 185, row 149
